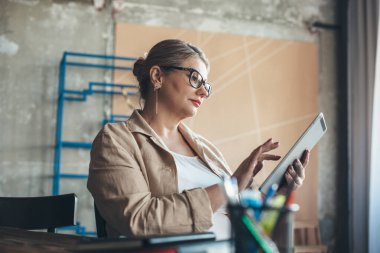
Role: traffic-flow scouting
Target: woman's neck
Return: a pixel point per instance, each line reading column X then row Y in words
column 164, row 123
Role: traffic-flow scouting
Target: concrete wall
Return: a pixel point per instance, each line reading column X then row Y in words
column 34, row 34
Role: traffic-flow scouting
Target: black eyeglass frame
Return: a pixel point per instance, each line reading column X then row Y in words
column 205, row 84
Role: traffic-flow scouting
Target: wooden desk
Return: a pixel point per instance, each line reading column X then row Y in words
column 19, row 241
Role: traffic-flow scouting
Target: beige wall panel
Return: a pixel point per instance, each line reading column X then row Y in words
column 235, row 150
column 285, row 92
column 221, row 116
column 262, row 88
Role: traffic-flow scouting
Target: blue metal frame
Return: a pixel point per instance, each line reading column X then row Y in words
column 78, row 95
column 79, row 230
column 115, row 118
column 81, row 96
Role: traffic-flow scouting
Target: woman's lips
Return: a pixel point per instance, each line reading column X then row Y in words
column 197, row 103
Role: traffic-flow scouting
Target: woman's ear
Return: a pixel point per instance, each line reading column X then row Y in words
column 156, row 77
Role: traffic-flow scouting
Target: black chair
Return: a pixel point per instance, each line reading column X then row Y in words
column 100, row 224
column 34, row 213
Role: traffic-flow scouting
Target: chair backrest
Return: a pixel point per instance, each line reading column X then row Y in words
column 47, row 212
column 100, row 224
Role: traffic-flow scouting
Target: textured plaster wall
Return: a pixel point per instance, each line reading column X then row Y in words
column 34, row 34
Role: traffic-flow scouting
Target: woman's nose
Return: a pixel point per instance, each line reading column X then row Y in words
column 202, row 91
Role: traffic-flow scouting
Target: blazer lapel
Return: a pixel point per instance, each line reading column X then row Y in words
column 198, row 147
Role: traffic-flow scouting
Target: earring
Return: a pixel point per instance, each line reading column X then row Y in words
column 156, row 88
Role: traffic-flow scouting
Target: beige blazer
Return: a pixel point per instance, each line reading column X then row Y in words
column 133, row 180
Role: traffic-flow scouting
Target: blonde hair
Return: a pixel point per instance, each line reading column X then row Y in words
column 170, row 52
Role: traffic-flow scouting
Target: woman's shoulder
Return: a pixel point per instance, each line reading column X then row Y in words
column 115, row 132
column 115, row 128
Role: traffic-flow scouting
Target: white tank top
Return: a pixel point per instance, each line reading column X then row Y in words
column 193, row 173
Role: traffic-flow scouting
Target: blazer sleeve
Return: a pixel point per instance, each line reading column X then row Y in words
column 122, row 195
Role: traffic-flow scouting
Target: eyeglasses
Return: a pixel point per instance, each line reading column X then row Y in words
column 195, row 78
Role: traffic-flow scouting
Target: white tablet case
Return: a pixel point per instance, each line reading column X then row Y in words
column 307, row 141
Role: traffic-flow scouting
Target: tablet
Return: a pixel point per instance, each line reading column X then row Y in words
column 307, row 140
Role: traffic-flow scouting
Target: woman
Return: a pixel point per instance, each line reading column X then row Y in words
column 152, row 174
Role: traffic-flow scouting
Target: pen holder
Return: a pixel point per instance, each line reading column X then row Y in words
column 274, row 233
column 283, row 234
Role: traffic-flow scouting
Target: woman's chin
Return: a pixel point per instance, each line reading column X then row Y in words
column 194, row 111
column 190, row 113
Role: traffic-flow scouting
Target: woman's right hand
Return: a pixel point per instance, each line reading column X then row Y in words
column 254, row 163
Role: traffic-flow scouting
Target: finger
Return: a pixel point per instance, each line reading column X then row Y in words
column 270, row 145
column 289, row 178
column 269, row 157
column 253, row 158
column 256, row 153
column 297, row 180
column 289, row 181
column 305, row 158
column 268, row 141
column 250, row 182
column 291, row 171
column 258, row 167
column 299, row 168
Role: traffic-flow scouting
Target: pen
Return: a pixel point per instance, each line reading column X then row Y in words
column 263, row 242
column 271, row 192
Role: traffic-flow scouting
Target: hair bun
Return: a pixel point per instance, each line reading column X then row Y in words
column 138, row 68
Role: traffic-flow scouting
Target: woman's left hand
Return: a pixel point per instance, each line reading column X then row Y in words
column 295, row 174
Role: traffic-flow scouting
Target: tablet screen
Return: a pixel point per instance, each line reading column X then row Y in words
column 308, row 139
